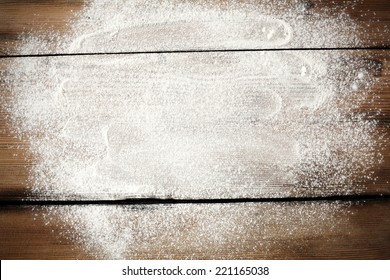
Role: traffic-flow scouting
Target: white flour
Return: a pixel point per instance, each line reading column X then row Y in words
column 198, row 231
column 192, row 125
column 138, row 25
column 206, row 125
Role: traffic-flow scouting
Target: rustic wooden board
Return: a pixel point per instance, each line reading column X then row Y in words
column 358, row 229
column 42, row 17
column 293, row 230
column 15, row 159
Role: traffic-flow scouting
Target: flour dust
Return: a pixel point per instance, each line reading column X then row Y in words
column 194, row 124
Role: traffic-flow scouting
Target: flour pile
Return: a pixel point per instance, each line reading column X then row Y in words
column 193, row 124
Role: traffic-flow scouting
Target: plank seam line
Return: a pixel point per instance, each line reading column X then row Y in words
column 151, row 201
column 195, row 51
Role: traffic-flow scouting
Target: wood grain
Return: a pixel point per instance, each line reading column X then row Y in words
column 296, row 230
column 39, row 18
column 33, row 17
column 357, row 229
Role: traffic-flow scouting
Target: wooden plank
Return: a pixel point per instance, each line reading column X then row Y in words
column 40, row 18
column 33, row 17
column 16, row 160
column 294, row 230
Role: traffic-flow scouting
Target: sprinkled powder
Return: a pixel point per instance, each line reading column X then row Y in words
column 200, row 230
column 138, row 25
column 192, row 125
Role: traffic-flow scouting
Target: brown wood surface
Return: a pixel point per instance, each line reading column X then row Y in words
column 358, row 229
column 293, row 230
column 19, row 18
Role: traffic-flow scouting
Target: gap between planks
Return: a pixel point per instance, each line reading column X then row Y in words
column 199, row 51
column 148, row 201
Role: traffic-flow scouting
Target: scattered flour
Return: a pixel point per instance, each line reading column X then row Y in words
column 122, row 26
column 200, row 231
column 193, row 125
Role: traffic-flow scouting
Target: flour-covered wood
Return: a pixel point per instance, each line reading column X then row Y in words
column 296, row 230
column 128, row 26
column 196, row 125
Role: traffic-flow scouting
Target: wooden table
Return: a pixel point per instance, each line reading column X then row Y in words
column 355, row 226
